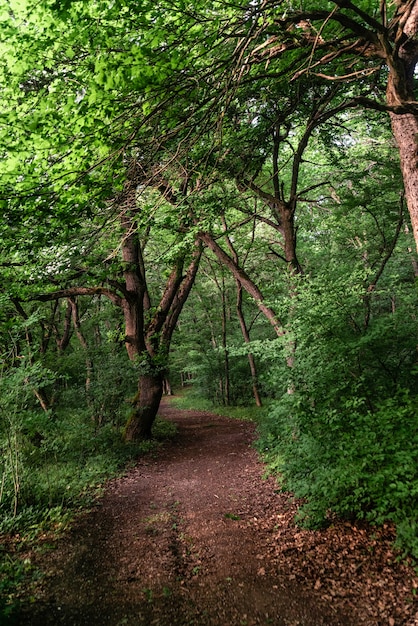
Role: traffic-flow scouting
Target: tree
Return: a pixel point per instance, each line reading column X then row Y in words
column 208, row 343
column 360, row 47
column 148, row 329
column 79, row 162
column 345, row 439
column 161, row 98
column 241, row 317
column 109, row 106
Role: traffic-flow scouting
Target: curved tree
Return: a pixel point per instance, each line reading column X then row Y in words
column 86, row 127
column 371, row 50
column 103, row 102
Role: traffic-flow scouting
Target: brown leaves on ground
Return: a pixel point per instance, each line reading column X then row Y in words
column 353, row 565
column 196, row 536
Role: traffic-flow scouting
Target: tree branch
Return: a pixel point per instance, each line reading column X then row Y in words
column 344, row 20
column 182, row 294
column 79, row 291
column 249, row 286
column 346, row 4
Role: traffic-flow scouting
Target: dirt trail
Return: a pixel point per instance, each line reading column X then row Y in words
column 192, row 536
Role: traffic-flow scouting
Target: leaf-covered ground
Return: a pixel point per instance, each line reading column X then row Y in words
column 194, row 535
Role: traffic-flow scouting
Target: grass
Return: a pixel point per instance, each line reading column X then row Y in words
column 64, row 476
column 58, row 480
column 187, row 400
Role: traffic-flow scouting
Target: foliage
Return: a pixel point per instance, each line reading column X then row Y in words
column 214, row 360
column 345, row 439
column 13, row 572
column 354, row 463
column 128, row 130
column 188, row 399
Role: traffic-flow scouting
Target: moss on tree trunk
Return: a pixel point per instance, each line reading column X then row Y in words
column 146, row 403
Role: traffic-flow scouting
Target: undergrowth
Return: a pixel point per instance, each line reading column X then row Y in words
column 355, row 463
column 57, row 473
column 188, row 400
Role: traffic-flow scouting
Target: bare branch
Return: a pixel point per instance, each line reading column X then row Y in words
column 344, row 20
column 353, row 75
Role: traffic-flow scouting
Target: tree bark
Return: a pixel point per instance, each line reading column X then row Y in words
column 134, row 289
column 240, row 275
column 405, row 132
column 246, row 336
column 400, row 91
column 150, row 391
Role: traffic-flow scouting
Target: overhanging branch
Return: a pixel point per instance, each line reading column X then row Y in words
column 79, row 291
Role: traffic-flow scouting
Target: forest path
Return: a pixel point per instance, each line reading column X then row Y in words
column 193, row 535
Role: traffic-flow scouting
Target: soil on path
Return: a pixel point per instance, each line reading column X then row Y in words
column 194, row 535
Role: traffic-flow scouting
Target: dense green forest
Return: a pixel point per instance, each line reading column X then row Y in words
column 223, row 195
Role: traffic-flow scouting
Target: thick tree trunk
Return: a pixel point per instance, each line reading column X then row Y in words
column 151, row 343
column 400, row 91
column 405, row 131
column 135, row 289
column 150, row 391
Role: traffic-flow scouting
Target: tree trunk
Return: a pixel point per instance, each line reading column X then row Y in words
column 246, row 336
column 89, row 363
column 401, row 90
column 64, row 340
column 226, row 397
column 167, row 389
column 240, row 313
column 150, row 343
column 147, row 401
column 39, row 393
column 405, row 132
column 240, row 275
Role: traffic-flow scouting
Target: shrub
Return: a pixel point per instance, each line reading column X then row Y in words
column 354, row 463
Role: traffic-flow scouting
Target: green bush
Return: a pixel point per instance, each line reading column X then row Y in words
column 70, row 464
column 346, row 439
column 356, row 465
column 13, row 572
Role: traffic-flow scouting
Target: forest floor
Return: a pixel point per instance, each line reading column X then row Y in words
column 194, row 535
